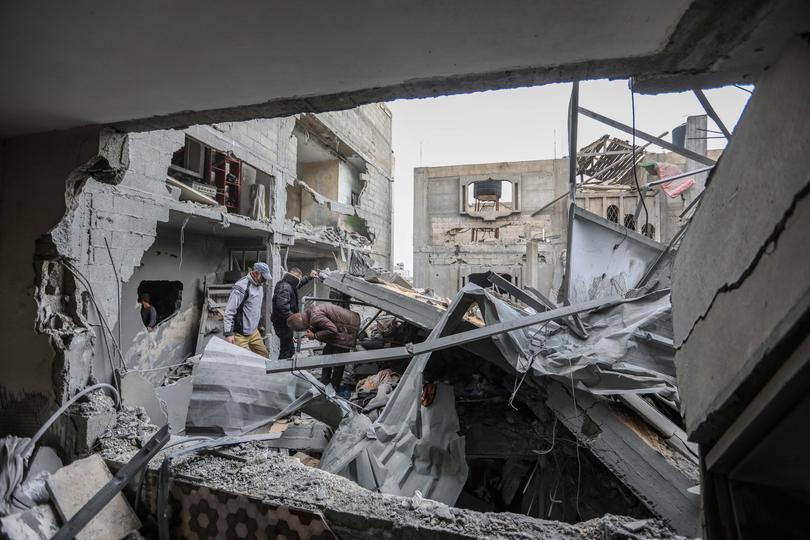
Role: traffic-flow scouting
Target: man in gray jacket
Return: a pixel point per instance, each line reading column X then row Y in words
column 244, row 309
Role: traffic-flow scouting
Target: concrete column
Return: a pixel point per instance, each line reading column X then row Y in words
column 695, row 141
column 530, row 278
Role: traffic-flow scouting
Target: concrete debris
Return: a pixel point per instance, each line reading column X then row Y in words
column 330, row 234
column 38, row 523
column 74, row 485
column 136, row 391
column 175, row 399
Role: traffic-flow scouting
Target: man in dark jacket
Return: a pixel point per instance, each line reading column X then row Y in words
column 333, row 325
column 285, row 303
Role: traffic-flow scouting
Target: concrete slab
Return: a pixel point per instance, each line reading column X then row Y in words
column 751, row 188
column 136, row 391
column 72, row 486
column 45, row 459
column 38, row 523
column 176, row 397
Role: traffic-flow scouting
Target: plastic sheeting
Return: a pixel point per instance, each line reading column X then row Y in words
column 627, row 349
column 410, row 447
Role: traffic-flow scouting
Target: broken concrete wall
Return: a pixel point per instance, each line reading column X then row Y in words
column 366, row 131
column 174, row 338
column 444, row 250
column 32, row 198
column 741, row 288
column 92, row 189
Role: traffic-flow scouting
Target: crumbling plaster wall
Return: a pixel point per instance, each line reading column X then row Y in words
column 741, row 286
column 114, row 191
column 32, row 171
column 367, row 130
column 170, row 259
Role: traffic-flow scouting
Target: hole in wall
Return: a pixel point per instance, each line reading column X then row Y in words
column 165, row 296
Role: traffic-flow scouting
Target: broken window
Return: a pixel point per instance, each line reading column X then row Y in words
column 648, row 229
column 612, row 213
column 241, row 260
column 165, row 296
column 630, row 221
column 480, row 234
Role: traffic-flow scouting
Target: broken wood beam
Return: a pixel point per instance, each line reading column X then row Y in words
column 647, row 137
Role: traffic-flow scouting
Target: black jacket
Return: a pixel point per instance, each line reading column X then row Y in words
column 285, row 298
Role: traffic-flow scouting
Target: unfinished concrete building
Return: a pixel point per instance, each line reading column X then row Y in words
column 182, row 214
column 512, row 218
column 90, row 89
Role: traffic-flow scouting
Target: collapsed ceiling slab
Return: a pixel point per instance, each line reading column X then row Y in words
column 401, row 50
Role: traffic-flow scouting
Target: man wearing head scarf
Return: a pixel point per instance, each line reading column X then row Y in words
column 333, row 325
column 244, row 310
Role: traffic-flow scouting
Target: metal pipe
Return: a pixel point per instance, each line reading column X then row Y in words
column 678, row 176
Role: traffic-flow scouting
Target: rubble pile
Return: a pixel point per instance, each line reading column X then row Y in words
column 265, row 473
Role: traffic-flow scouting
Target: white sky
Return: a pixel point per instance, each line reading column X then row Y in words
column 524, row 124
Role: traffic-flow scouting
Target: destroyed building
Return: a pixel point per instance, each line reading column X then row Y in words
column 663, row 393
column 512, row 218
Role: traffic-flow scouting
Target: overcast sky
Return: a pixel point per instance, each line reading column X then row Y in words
column 524, row 124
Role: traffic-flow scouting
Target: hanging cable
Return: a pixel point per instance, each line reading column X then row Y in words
column 635, row 165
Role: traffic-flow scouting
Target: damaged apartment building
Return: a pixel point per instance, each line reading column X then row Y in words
column 181, row 215
column 512, row 218
column 612, row 345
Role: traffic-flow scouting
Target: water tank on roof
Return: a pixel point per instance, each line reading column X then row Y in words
column 679, row 135
column 487, row 190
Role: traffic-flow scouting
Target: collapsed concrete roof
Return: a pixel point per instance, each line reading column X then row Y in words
column 284, row 58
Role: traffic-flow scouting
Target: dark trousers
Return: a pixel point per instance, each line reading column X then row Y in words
column 285, row 336
column 333, row 374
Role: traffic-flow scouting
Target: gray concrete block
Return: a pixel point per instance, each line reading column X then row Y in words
column 727, row 356
column 45, row 459
column 751, row 188
column 176, row 398
column 72, row 486
column 136, row 391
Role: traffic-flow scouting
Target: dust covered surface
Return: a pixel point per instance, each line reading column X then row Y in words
column 265, row 473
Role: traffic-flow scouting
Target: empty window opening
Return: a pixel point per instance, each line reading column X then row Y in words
column 242, row 260
column 481, row 234
column 612, row 213
column 630, row 221
column 165, row 296
column 648, row 229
